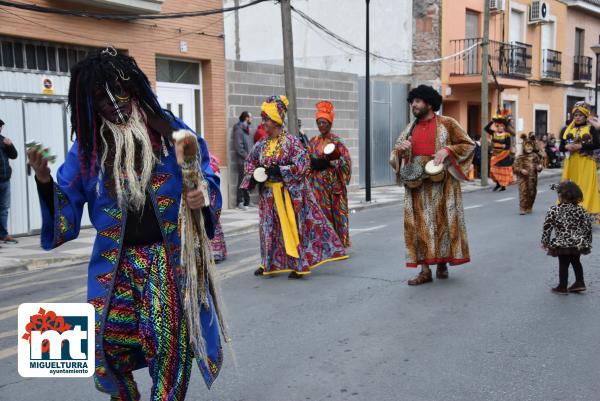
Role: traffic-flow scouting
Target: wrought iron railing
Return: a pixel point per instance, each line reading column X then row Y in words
column 551, row 64
column 582, row 68
column 512, row 60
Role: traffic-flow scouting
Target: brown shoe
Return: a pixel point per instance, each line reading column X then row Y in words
column 442, row 271
column 9, row 240
column 578, row 286
column 421, row 278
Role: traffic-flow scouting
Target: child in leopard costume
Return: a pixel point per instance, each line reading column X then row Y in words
column 527, row 166
column 572, row 227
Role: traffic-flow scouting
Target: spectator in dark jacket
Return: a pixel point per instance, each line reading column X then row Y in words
column 242, row 142
column 7, row 151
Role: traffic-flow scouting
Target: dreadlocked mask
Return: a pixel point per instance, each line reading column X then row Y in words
column 111, row 101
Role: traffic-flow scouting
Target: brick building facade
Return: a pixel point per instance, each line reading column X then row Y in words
column 183, row 58
column 426, row 44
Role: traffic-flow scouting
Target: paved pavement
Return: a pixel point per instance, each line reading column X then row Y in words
column 28, row 255
column 354, row 331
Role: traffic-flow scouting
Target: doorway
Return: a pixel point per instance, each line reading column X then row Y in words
column 474, row 121
column 179, row 90
column 541, row 123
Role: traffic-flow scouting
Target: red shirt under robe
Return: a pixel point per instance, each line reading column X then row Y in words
column 423, row 138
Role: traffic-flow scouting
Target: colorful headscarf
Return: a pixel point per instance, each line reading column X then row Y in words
column 578, row 132
column 274, row 108
column 325, row 110
column 502, row 116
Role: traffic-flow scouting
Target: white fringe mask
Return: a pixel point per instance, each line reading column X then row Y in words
column 130, row 187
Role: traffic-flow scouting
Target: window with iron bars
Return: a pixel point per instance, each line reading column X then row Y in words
column 35, row 56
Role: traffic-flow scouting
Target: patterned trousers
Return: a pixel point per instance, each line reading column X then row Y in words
column 145, row 326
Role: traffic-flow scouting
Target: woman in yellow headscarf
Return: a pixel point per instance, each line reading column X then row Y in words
column 580, row 139
column 295, row 235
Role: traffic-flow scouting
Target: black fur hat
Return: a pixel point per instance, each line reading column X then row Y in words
column 427, row 94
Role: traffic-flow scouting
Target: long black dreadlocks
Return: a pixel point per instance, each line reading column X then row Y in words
column 98, row 70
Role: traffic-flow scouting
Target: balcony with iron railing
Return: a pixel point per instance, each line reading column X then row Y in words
column 508, row 60
column 551, row 64
column 582, row 69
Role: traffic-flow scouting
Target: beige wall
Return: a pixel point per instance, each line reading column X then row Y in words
column 144, row 40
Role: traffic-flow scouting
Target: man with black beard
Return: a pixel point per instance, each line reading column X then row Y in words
column 434, row 225
column 123, row 165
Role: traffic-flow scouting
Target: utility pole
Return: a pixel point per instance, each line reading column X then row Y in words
column 367, row 116
column 236, row 15
column 288, row 66
column 484, row 93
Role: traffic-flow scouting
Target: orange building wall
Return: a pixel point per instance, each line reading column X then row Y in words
column 535, row 93
column 144, row 40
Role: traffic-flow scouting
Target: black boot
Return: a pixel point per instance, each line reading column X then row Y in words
column 497, row 187
column 502, row 188
column 294, row 276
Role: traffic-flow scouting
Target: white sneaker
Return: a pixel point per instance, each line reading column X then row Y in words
column 241, row 206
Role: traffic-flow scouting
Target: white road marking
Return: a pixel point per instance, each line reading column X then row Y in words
column 363, row 230
column 240, row 251
column 251, row 260
column 541, row 191
column 5, row 353
column 12, row 310
column 505, row 199
column 472, row 207
column 10, row 333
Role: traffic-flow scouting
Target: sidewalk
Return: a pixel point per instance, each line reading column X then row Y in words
column 28, row 255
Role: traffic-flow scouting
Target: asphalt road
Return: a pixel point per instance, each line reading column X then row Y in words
column 354, row 330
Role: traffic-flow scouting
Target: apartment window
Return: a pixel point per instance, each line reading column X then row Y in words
column 517, row 23
column 39, row 56
column 178, row 72
column 472, row 24
column 579, row 41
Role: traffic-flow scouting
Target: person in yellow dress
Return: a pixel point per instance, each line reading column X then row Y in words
column 580, row 139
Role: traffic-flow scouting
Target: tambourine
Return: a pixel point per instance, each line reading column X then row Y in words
column 260, row 174
column 435, row 173
column 330, row 150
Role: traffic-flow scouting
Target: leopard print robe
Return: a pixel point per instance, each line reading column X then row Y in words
column 434, row 224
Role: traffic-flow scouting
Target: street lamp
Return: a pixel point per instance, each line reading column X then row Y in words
column 596, row 49
column 367, row 115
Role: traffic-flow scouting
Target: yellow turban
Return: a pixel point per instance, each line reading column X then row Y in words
column 584, row 109
column 274, row 108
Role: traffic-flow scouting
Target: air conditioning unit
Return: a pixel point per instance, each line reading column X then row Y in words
column 539, row 12
column 496, row 5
